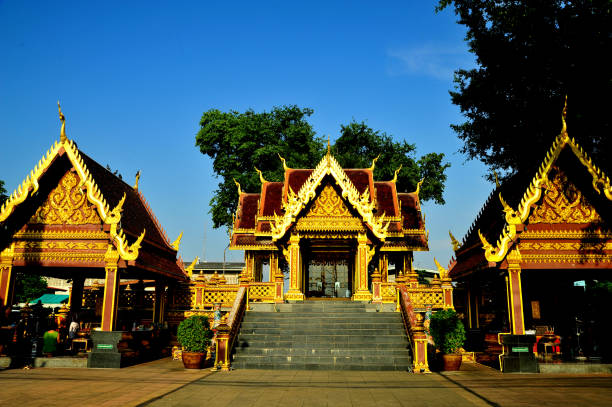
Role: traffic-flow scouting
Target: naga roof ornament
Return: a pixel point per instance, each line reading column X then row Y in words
column 137, row 179
column 177, row 243
column 261, row 177
column 454, row 241
column 238, row 186
column 284, row 162
column 395, row 173
column 418, row 187
column 189, row 269
column 62, row 118
column 374, row 163
column 443, row 272
column 514, row 217
column 297, row 201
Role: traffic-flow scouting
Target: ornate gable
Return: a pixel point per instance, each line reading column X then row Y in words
column 329, row 212
column 67, row 204
column 563, row 202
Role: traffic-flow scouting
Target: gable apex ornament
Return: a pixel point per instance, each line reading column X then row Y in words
column 62, row 118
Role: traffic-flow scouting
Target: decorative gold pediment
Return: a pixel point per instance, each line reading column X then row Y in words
column 329, row 212
column 563, row 203
column 67, row 204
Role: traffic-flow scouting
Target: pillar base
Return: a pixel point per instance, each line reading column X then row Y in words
column 294, row 296
column 362, row 296
column 518, row 354
column 104, row 353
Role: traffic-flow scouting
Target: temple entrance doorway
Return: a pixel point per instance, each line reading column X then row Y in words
column 329, row 270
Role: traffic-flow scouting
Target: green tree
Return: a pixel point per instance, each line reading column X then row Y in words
column 29, row 287
column 530, row 55
column 359, row 144
column 237, row 142
column 3, row 196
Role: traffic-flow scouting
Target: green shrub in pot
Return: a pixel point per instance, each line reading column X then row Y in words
column 194, row 334
column 447, row 331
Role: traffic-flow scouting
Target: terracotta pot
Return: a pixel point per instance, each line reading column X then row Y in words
column 193, row 360
column 451, row 362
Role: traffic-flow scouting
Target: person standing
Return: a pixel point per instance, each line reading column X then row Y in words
column 50, row 341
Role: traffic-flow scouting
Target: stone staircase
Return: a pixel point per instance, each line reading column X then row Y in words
column 322, row 335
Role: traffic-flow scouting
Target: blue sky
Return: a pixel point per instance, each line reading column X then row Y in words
column 134, row 78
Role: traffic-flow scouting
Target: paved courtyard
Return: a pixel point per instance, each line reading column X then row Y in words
column 166, row 383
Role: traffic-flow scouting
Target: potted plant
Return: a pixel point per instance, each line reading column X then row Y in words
column 448, row 334
column 194, row 335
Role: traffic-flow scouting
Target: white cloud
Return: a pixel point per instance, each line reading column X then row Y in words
column 432, row 60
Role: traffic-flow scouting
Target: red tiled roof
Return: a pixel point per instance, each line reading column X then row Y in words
column 247, row 210
column 386, row 198
column 272, row 195
column 411, row 210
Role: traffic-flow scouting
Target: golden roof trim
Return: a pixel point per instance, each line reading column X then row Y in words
column 296, row 202
column 514, row 217
column 94, row 195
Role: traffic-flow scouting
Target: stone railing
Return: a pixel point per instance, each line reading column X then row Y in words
column 413, row 322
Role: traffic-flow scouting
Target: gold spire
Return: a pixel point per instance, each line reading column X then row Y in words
column 454, row 241
column 62, row 118
column 284, row 162
column 563, row 117
column 374, row 163
column 496, row 179
column 177, row 243
column 261, row 178
column 395, row 174
column 137, row 179
column 238, row 185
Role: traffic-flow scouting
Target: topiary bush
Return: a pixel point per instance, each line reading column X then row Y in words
column 447, row 331
column 194, row 334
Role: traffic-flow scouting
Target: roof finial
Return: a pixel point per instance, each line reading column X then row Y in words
column 62, row 118
column 496, row 179
column 238, row 185
column 454, row 241
column 564, row 116
column 374, row 163
column 328, row 146
column 137, row 179
column 395, row 174
column 284, row 162
column 418, row 188
column 177, row 243
column 261, row 178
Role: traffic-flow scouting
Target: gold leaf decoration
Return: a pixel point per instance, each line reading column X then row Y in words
column 66, row 205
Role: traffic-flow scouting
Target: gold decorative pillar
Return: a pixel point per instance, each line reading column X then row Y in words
column 7, row 277
column 111, row 290
column 361, row 269
column 249, row 267
column 383, row 267
column 276, row 276
column 419, row 337
column 295, row 270
column 515, row 295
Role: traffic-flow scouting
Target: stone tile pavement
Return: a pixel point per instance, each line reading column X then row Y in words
column 166, row 383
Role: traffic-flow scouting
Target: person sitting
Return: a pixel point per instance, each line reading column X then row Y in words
column 51, row 339
column 73, row 329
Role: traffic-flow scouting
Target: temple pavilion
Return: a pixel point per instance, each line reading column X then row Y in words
column 332, row 229
column 73, row 219
column 536, row 257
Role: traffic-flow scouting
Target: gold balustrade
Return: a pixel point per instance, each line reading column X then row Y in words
column 388, row 292
column 422, row 297
column 261, row 292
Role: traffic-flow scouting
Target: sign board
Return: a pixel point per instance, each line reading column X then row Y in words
column 104, row 346
column 520, row 349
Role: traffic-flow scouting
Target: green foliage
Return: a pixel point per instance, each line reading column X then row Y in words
column 3, row 196
column 530, row 55
column 194, row 334
column 447, row 331
column 238, row 142
column 29, row 287
column 359, row 144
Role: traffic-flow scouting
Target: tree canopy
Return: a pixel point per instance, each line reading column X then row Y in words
column 530, row 55
column 29, row 287
column 359, row 144
column 3, row 196
column 238, row 142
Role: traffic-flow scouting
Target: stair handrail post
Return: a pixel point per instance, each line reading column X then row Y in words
column 227, row 331
column 413, row 322
column 376, row 281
